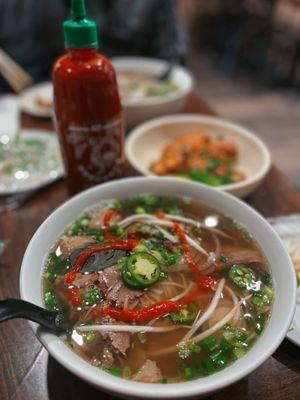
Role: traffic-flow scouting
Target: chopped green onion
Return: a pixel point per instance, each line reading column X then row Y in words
column 260, row 322
column 146, row 204
column 187, row 314
column 55, row 265
column 263, row 297
column 126, row 373
column 238, row 353
column 115, row 370
column 207, row 367
column 186, row 349
column 240, row 334
column 140, row 210
column 170, row 259
column 142, row 336
column 190, row 373
column 266, row 278
column 90, row 337
column 242, row 276
column 50, row 301
column 117, row 231
column 219, row 358
column 240, row 345
column 225, row 346
column 216, row 353
column 92, row 297
column 224, row 259
column 222, row 361
column 209, row 343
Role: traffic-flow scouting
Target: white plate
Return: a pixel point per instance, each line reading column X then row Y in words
column 288, row 228
column 40, row 178
column 294, row 333
column 146, row 142
column 29, row 98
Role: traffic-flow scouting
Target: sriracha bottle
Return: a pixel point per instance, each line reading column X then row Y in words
column 88, row 113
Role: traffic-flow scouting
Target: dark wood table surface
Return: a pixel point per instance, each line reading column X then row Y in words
column 27, row 372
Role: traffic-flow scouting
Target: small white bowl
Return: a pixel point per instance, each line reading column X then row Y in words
column 282, row 272
column 142, row 110
column 146, row 142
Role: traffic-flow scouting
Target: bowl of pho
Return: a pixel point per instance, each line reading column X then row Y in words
column 166, row 284
column 143, row 95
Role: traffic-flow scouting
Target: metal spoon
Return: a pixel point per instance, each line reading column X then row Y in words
column 165, row 75
column 15, row 308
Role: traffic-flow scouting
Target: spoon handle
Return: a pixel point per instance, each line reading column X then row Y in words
column 165, row 75
column 15, row 308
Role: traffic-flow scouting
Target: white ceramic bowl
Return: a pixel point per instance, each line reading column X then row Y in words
column 282, row 271
column 146, row 142
column 137, row 112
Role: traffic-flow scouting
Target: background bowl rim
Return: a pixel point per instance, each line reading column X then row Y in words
column 140, row 130
column 177, row 95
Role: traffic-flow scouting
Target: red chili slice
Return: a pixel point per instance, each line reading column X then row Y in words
column 145, row 315
column 121, row 245
column 108, row 216
column 74, row 297
column 204, row 282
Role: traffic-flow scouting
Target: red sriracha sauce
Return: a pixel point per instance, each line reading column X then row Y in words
column 87, row 106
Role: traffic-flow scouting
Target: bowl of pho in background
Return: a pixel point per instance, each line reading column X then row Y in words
column 242, row 219
column 142, row 95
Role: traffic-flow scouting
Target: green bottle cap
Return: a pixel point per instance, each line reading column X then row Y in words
column 79, row 31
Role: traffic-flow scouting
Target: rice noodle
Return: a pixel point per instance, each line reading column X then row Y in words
column 126, row 302
column 157, row 291
column 183, row 280
column 133, row 305
column 168, row 235
column 218, row 245
column 114, row 290
column 148, row 298
column 184, row 293
column 129, row 328
column 178, row 268
column 85, row 316
column 197, row 246
column 209, row 265
column 220, row 323
column 205, row 334
column 152, row 220
column 133, row 218
column 235, row 302
column 158, row 222
column 197, row 317
column 148, row 219
column 198, row 224
column 167, row 291
column 166, row 283
column 208, row 313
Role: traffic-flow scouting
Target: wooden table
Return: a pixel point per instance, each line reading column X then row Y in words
column 28, row 373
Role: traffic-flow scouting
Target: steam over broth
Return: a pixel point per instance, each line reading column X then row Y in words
column 158, row 289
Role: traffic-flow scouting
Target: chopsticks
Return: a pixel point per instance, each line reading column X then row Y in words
column 13, row 73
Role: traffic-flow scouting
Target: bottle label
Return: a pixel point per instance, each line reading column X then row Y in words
column 95, row 152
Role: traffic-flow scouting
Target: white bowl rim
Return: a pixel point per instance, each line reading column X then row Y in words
column 177, row 95
column 181, row 390
column 139, row 131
